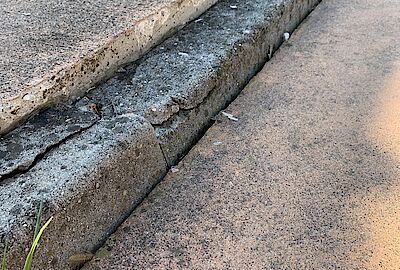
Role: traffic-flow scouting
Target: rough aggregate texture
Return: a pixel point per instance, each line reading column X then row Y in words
column 79, row 178
column 176, row 75
column 89, row 184
column 207, row 63
column 20, row 148
column 166, row 87
column 55, row 51
column 307, row 178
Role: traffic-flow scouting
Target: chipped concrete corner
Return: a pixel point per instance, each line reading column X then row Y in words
column 116, row 161
column 75, row 79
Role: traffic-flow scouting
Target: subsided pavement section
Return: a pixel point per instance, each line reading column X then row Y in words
column 55, row 51
column 308, row 177
column 93, row 161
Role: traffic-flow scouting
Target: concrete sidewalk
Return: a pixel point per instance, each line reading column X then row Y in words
column 54, row 51
column 309, row 175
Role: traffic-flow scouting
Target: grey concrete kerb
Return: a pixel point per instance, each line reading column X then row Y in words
column 47, row 61
column 88, row 184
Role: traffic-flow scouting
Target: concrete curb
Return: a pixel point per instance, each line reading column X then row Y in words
column 127, row 132
column 89, row 184
column 72, row 81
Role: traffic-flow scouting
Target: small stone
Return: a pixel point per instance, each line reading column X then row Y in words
column 78, row 260
column 174, row 170
column 233, row 7
column 286, row 36
column 97, row 185
column 183, row 54
column 27, row 97
column 230, row 116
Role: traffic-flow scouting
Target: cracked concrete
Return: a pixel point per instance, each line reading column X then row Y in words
column 23, row 146
column 55, row 51
column 168, row 100
column 89, row 183
column 178, row 93
column 207, row 62
column 309, row 175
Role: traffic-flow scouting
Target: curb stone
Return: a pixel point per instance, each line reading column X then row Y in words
column 89, row 184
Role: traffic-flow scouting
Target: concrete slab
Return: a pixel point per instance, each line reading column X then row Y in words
column 199, row 70
column 54, row 51
column 307, row 178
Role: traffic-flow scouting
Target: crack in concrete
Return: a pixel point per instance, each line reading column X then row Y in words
column 24, row 168
column 165, row 157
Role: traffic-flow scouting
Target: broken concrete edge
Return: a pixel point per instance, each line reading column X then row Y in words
column 86, row 199
column 89, row 185
column 23, row 147
column 220, row 57
column 75, row 79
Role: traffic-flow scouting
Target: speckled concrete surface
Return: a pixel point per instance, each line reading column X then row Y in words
column 309, row 175
column 186, row 80
column 53, row 51
column 92, row 162
column 88, row 184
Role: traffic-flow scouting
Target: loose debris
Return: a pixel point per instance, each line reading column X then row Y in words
column 230, row 116
column 286, row 36
column 174, row 170
column 79, row 260
column 94, row 108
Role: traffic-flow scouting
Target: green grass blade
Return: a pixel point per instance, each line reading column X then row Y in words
column 38, row 220
column 3, row 264
column 28, row 260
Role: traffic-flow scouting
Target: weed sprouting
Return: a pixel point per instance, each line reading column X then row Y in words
column 36, row 237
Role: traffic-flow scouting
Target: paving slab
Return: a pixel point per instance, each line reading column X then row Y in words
column 309, row 175
column 54, row 51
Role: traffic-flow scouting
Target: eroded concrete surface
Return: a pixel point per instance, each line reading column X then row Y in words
column 191, row 76
column 87, row 183
column 178, row 87
column 22, row 147
column 53, row 51
column 93, row 161
column 309, row 175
